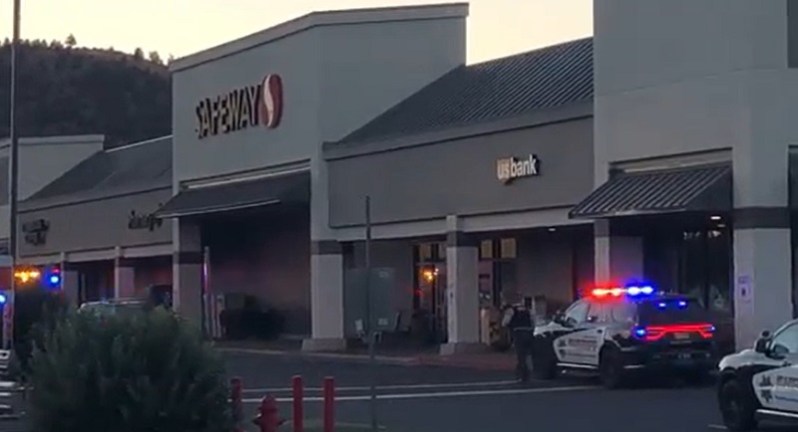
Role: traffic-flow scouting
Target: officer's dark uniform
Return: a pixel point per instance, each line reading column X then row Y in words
column 523, row 328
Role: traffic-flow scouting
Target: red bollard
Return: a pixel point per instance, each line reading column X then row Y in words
column 329, row 404
column 237, row 403
column 298, row 401
column 268, row 418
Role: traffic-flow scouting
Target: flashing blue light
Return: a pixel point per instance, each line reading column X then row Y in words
column 661, row 305
column 3, row 299
column 682, row 304
column 640, row 332
column 636, row 290
column 55, row 279
column 712, row 329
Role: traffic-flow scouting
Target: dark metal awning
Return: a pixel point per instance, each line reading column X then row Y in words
column 289, row 188
column 706, row 188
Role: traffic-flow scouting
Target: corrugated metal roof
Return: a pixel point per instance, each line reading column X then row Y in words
column 684, row 189
column 503, row 88
column 125, row 169
column 238, row 195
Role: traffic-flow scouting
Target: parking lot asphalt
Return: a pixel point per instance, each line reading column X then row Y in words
column 448, row 399
column 452, row 399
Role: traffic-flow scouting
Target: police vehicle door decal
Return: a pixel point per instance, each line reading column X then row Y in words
column 777, row 388
column 581, row 346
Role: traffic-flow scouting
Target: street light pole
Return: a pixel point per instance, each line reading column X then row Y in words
column 13, row 167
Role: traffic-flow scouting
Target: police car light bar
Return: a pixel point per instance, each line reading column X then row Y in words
column 631, row 291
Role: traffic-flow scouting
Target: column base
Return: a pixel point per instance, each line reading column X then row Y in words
column 463, row 348
column 323, row 344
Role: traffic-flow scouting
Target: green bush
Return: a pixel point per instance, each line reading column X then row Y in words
column 148, row 372
column 35, row 311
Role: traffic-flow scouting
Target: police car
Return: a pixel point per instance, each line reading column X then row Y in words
column 761, row 383
column 620, row 331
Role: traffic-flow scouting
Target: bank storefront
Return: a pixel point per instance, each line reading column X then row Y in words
column 250, row 194
column 95, row 224
column 469, row 196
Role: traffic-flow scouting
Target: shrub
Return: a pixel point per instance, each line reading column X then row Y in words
column 36, row 311
column 147, row 372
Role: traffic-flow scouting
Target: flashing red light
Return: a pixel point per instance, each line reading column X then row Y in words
column 607, row 292
column 655, row 333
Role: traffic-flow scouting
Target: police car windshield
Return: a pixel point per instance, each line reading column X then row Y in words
column 670, row 311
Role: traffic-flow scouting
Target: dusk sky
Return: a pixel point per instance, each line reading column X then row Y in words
column 179, row 27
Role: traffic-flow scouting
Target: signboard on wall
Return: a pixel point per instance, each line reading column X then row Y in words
column 35, row 231
column 509, row 169
column 143, row 221
column 242, row 108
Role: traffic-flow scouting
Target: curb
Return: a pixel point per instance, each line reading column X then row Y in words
column 465, row 364
column 399, row 361
column 440, row 361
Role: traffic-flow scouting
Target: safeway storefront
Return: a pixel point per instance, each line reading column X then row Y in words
column 250, row 205
column 470, row 182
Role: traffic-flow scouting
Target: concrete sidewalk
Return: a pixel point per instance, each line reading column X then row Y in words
column 426, row 356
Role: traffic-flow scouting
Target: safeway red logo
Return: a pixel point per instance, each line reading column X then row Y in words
column 271, row 110
column 242, row 108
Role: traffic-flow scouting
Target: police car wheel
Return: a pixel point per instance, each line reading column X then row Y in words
column 737, row 410
column 611, row 370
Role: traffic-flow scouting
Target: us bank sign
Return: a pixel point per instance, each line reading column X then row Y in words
column 509, row 169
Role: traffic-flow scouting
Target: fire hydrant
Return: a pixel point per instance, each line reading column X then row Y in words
column 268, row 418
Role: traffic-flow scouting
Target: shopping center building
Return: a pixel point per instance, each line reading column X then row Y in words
column 470, row 181
column 640, row 153
column 95, row 222
column 250, row 211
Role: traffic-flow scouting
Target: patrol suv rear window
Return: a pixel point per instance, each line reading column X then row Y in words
column 670, row 311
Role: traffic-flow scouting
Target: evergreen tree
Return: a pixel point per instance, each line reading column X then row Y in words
column 86, row 91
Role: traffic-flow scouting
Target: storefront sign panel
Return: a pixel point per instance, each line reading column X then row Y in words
column 242, row 108
column 509, row 169
column 146, row 221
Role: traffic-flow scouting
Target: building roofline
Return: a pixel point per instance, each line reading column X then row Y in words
column 67, row 200
column 139, row 143
column 321, row 18
column 570, row 112
column 62, row 139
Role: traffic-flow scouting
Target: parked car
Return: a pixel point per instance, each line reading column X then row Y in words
column 114, row 307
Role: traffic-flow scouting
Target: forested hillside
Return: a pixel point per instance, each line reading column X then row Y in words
column 64, row 89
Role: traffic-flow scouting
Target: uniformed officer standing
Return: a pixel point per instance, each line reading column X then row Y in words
column 518, row 318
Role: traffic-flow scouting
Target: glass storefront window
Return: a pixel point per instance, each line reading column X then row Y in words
column 486, row 250
column 507, row 248
column 425, row 252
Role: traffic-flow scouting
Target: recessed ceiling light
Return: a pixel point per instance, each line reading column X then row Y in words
column 715, row 218
column 552, row 229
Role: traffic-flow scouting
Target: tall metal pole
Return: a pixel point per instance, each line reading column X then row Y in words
column 13, row 166
column 372, row 334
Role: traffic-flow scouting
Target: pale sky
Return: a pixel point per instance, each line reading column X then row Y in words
column 496, row 28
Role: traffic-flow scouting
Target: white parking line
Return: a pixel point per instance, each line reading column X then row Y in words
column 387, row 387
column 438, row 394
column 718, row 427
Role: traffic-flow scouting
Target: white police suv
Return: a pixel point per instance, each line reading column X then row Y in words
column 619, row 332
column 761, row 384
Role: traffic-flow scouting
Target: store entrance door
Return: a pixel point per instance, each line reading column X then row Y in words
column 432, row 290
